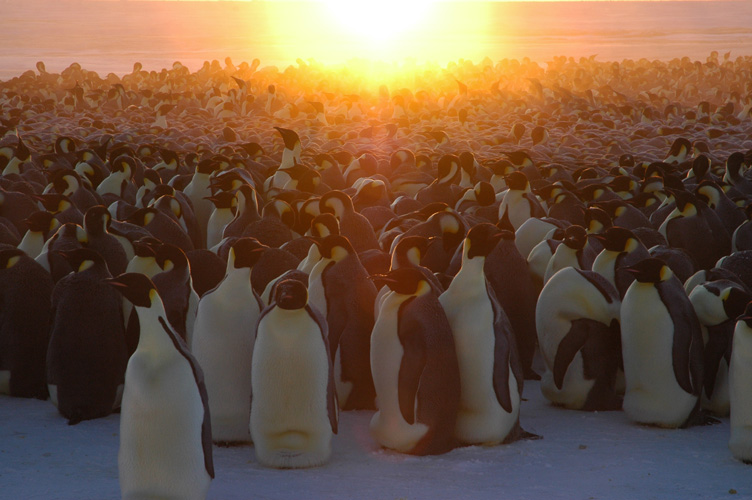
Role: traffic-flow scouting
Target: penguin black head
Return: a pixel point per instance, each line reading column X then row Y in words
column 97, row 220
column 484, row 194
column 650, row 270
column 290, row 137
column 146, row 247
column 734, row 301
column 335, row 202
column 467, row 162
column 82, row 259
column 449, row 169
column 42, row 222
column 685, row 202
column 247, row 252
column 290, row 295
column 575, row 237
column 135, row 287
column 9, row 257
column 481, row 240
column 517, row 181
column 402, row 157
column 404, row 280
column 411, row 248
column 335, row 247
column 618, row 239
column 143, row 216
column 701, row 166
column 171, row 257
column 323, row 225
column 596, row 219
column 223, row 199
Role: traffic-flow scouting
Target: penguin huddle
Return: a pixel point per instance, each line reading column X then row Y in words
column 276, row 267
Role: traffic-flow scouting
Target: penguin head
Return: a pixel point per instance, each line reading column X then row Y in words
column 618, row 239
column 290, row 294
column 223, row 199
column 335, row 202
column 83, row 259
column 404, row 280
column 245, row 252
column 290, row 137
column 335, row 247
column 9, row 257
column 146, row 247
column 596, row 220
column 734, row 301
column 97, row 220
column 484, row 194
column 481, row 240
column 517, row 181
column 170, row 257
column 686, row 203
column 467, row 162
column 323, row 225
column 409, row 249
column 449, row 169
column 575, row 237
column 701, row 166
column 709, row 192
column 143, row 216
column 42, row 222
column 650, row 270
column 135, row 287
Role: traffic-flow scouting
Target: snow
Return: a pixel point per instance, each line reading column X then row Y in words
column 581, row 456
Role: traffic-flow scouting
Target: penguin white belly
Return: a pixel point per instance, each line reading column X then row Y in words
column 530, row 233
column 481, row 419
column 290, row 372
column 516, row 207
column 316, row 295
column 161, row 455
column 740, row 373
column 388, row 427
column 605, row 265
column 653, row 396
column 313, row 257
column 32, row 244
column 216, row 226
column 223, row 346
column 574, row 389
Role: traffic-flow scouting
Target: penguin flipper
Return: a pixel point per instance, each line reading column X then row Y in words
column 570, row 345
column 331, row 391
column 503, row 355
column 715, row 350
column 687, row 350
column 411, row 368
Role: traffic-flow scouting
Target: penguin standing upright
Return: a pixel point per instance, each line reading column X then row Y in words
column 661, row 348
column 490, row 371
column 414, row 366
column 223, row 343
column 294, row 409
column 86, row 356
column 25, row 295
column 519, row 203
column 165, row 427
column 740, row 372
column 577, row 317
column 175, row 286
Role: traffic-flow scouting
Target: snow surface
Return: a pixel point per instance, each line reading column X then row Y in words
column 581, row 456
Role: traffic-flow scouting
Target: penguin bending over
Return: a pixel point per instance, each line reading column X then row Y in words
column 165, row 427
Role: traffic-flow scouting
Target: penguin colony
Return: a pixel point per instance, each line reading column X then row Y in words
column 234, row 255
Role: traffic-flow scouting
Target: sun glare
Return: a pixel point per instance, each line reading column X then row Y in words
column 378, row 21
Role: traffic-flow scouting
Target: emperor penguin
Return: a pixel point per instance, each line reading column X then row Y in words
column 491, row 375
column 165, row 427
column 222, row 343
column 86, row 355
column 519, row 204
column 661, row 348
column 621, row 249
column 414, row 366
column 294, row 408
column 740, row 372
column 25, row 295
column 577, row 317
column 717, row 305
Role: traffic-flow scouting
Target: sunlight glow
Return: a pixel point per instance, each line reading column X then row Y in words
column 378, row 21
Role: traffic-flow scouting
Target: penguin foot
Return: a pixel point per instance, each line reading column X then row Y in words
column 529, row 436
column 231, row 444
column 700, row 419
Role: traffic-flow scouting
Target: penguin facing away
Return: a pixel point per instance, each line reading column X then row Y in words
column 661, row 348
column 491, row 375
column 165, row 426
column 414, row 366
column 223, row 343
column 294, row 407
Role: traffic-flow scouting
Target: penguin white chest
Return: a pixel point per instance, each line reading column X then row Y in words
column 161, row 454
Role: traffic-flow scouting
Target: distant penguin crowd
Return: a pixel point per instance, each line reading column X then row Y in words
column 237, row 254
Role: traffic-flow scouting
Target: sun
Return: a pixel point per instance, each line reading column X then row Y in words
column 379, row 20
